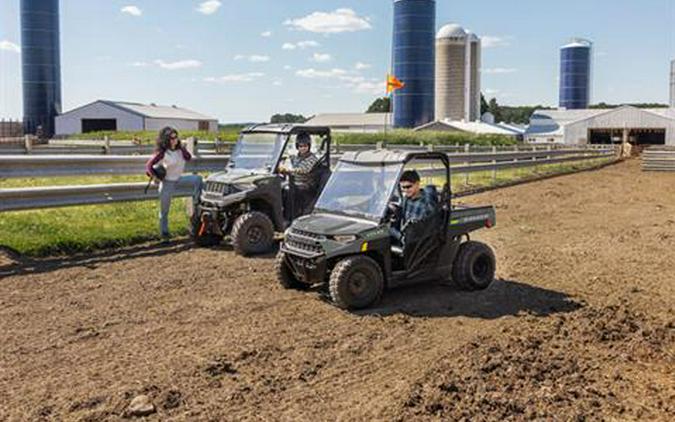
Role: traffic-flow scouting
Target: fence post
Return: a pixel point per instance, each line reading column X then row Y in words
column 191, row 145
column 106, row 144
column 534, row 158
column 28, row 143
column 494, row 163
column 467, row 148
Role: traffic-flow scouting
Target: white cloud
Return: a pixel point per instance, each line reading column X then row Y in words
column 139, row 64
column 132, row 10
column 321, row 58
column 301, row 45
column 241, row 77
column 181, row 64
column 307, row 44
column 266, row 34
column 362, row 66
column 317, row 74
column 490, row 41
column 209, row 7
column 349, row 79
column 499, row 70
column 340, row 20
column 371, row 87
column 288, row 67
column 9, row 46
column 258, row 58
column 254, row 58
column 278, row 82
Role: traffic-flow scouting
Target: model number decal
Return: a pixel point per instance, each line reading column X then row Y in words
column 471, row 219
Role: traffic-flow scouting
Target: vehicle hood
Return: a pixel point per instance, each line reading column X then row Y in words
column 235, row 178
column 331, row 225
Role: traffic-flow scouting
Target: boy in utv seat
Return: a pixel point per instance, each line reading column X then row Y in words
column 417, row 205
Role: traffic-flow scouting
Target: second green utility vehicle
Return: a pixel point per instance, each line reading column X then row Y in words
column 252, row 199
column 346, row 244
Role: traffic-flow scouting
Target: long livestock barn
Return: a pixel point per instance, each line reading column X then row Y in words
column 125, row 116
column 653, row 126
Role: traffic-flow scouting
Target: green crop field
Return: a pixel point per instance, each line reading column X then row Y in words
column 396, row 137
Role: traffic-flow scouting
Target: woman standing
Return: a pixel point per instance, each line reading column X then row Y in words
column 172, row 155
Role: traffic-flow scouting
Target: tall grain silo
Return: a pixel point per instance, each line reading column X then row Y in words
column 458, row 64
column 413, row 61
column 575, row 74
column 475, row 74
column 672, row 83
column 41, row 64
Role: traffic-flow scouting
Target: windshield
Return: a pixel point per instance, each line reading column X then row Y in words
column 358, row 190
column 256, row 152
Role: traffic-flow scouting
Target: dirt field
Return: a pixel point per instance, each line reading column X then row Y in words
column 580, row 325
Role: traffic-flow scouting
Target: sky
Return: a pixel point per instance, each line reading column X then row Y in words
column 244, row 60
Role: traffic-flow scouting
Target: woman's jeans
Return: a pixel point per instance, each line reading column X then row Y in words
column 166, row 191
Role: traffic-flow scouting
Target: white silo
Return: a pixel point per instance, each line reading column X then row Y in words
column 457, row 74
column 476, row 53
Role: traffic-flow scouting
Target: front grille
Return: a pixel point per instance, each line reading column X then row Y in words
column 217, row 188
column 303, row 241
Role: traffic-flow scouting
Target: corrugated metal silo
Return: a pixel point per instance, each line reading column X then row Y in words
column 452, row 73
column 575, row 74
column 41, row 64
column 476, row 54
column 413, row 61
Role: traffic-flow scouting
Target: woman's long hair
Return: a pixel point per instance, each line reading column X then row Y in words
column 164, row 138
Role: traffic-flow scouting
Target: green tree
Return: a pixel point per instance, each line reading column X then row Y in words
column 380, row 105
column 288, row 118
column 484, row 107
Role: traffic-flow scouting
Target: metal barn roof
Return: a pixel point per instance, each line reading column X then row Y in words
column 150, row 111
column 350, row 119
column 154, row 111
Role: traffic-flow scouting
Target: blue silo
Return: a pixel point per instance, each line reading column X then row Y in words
column 41, row 64
column 413, row 61
column 575, row 74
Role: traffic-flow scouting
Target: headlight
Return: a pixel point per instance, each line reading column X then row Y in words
column 344, row 239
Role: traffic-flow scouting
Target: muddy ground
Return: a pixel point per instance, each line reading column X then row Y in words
column 580, row 325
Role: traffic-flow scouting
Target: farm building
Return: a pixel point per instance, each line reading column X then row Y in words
column 353, row 122
column 478, row 128
column 124, row 116
column 653, row 126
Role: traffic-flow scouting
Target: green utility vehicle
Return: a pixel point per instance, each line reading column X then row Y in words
column 346, row 244
column 251, row 199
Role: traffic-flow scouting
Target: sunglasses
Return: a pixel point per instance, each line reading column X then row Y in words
column 173, row 136
column 406, row 187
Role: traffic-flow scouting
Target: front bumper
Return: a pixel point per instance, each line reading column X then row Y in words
column 307, row 269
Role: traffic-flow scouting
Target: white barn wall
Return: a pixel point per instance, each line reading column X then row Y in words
column 627, row 117
column 157, row 124
column 71, row 122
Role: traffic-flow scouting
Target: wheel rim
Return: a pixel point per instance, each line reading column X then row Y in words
column 358, row 284
column 255, row 235
column 481, row 268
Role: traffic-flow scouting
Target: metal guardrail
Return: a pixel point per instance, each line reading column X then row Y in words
column 14, row 166
column 46, row 197
column 61, row 196
column 658, row 159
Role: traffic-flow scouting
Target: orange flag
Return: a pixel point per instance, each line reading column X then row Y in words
column 393, row 84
